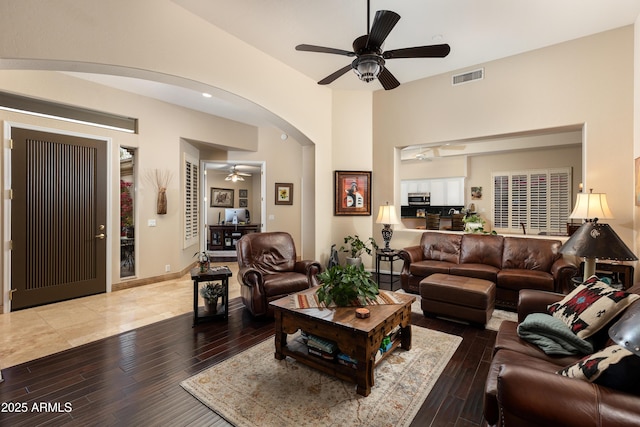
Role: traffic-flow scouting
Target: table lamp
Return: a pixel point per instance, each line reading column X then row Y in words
column 591, row 205
column 596, row 241
column 387, row 216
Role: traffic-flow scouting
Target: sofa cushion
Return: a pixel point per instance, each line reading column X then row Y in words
column 428, row 267
column 482, row 249
column 514, row 278
column 441, row 246
column 591, row 306
column 530, row 254
column 614, row 367
column 476, row 271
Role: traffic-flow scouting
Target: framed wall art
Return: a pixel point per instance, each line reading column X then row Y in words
column 221, row 198
column 352, row 193
column 243, row 194
column 284, row 193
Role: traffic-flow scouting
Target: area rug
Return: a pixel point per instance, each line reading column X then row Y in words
column 493, row 324
column 254, row 389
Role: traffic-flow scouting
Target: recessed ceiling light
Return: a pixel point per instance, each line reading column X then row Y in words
column 207, row 95
column 437, row 37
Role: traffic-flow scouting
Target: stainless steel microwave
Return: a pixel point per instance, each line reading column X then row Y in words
column 419, row 199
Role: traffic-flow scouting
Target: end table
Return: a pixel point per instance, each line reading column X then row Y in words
column 213, row 274
column 390, row 256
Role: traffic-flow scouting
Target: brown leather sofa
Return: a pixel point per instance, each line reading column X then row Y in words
column 269, row 270
column 512, row 263
column 522, row 388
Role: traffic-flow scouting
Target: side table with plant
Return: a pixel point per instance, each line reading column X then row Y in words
column 355, row 247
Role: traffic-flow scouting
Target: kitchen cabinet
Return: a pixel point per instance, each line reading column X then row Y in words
column 444, row 191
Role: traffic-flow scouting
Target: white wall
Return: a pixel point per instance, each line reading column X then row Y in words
column 586, row 81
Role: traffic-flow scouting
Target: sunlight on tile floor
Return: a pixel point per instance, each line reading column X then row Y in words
column 40, row 331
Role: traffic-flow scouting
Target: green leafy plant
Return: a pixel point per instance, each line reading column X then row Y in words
column 354, row 246
column 211, row 291
column 346, row 286
column 475, row 218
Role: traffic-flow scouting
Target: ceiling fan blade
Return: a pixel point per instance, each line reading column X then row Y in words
column 321, row 49
column 387, row 80
column 433, row 51
column 331, row 77
column 383, row 23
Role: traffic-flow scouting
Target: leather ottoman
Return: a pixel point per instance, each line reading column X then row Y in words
column 458, row 297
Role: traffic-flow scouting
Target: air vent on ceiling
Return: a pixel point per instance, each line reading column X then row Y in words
column 467, row 77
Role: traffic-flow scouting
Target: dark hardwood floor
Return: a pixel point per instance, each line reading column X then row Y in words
column 134, row 378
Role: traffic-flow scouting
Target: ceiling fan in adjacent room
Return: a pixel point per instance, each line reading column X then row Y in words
column 435, row 150
column 235, row 176
column 370, row 59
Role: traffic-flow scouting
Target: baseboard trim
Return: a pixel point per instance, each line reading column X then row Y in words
column 134, row 283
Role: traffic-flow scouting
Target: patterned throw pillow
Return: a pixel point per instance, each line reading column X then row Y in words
column 591, row 306
column 614, row 367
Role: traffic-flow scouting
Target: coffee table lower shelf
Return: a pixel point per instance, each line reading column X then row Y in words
column 298, row 351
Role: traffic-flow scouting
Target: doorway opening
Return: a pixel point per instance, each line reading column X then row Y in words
column 237, row 189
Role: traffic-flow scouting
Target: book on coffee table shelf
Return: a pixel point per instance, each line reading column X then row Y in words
column 328, row 350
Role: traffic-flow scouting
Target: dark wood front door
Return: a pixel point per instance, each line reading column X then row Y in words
column 58, row 217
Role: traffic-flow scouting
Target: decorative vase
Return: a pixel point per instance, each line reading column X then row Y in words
column 211, row 306
column 161, row 207
column 354, row 261
column 204, row 266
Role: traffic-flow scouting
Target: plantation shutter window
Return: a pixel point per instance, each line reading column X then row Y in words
column 191, row 204
column 538, row 201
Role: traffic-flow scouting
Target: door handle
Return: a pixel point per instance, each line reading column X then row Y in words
column 100, row 236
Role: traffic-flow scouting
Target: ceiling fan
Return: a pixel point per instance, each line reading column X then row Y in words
column 435, row 149
column 235, row 176
column 370, row 59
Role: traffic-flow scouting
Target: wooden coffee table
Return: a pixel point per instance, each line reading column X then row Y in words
column 358, row 338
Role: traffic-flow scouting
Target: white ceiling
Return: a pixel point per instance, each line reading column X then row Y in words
column 477, row 30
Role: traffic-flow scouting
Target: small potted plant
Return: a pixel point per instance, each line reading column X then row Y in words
column 473, row 223
column 210, row 293
column 355, row 247
column 348, row 285
column 203, row 261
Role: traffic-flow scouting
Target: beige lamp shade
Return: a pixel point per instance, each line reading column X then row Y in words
column 387, row 215
column 591, row 205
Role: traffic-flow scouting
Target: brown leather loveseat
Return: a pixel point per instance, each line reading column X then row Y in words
column 523, row 389
column 269, row 270
column 512, row 263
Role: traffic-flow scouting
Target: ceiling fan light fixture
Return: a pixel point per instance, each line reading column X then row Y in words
column 368, row 67
column 234, row 177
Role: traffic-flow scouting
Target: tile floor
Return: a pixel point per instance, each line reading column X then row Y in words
column 40, row 331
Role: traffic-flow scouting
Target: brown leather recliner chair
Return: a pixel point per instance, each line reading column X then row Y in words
column 269, row 270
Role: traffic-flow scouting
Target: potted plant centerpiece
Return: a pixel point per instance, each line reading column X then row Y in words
column 210, row 293
column 355, row 247
column 346, row 285
column 203, row 261
column 473, row 223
